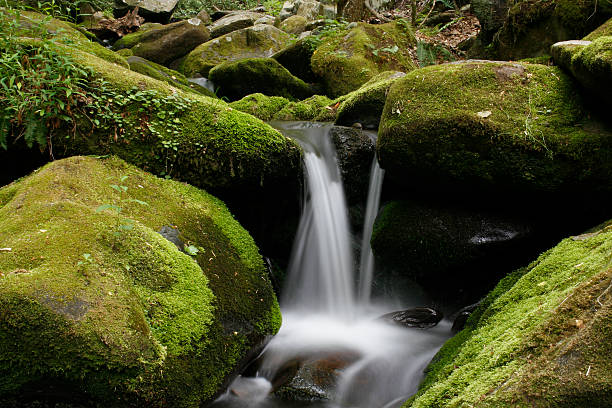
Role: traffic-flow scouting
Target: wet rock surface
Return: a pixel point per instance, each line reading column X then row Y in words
column 419, row 317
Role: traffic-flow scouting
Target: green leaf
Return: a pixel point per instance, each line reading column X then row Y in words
column 192, row 250
column 133, row 200
column 116, row 187
column 104, row 207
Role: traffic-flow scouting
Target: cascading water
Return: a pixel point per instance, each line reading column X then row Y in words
column 321, row 269
column 366, row 262
column 381, row 363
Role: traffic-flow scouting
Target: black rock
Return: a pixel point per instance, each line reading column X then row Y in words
column 419, row 317
column 172, row 235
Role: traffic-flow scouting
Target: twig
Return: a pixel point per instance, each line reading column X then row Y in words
column 433, row 5
column 376, row 13
column 603, row 293
column 594, row 11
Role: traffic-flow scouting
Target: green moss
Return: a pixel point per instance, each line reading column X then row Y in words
column 592, row 66
column 162, row 73
column 308, row 109
column 265, row 75
column 349, row 58
column 602, row 31
column 259, row 105
column 365, row 105
column 258, row 41
column 128, row 317
column 131, row 39
column 485, row 125
column 532, row 340
column 125, row 52
column 211, row 146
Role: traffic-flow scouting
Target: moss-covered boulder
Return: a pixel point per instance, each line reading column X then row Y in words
column 481, row 127
column 260, row 41
column 589, row 62
column 350, row 57
column 531, row 27
column 294, row 25
column 237, row 79
column 261, row 106
column 167, row 75
column 97, row 304
column 541, row 338
column 365, row 105
column 452, row 252
column 164, row 44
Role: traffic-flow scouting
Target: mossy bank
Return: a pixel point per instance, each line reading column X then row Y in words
column 541, row 338
column 94, row 298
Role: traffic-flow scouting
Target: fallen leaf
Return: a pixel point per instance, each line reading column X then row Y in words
column 484, row 114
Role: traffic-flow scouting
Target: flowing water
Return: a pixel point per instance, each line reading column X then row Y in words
column 329, row 324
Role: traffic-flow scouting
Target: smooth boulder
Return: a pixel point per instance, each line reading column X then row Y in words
column 260, row 41
column 164, row 44
column 153, row 10
column 237, row 79
column 96, row 305
column 479, row 127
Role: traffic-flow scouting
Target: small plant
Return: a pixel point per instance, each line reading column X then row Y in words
column 122, row 224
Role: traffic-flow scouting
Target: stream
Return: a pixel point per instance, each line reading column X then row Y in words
column 331, row 328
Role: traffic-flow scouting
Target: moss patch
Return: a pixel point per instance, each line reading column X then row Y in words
column 541, row 338
column 167, row 75
column 365, row 105
column 121, row 313
column 261, row 106
column 237, row 79
column 493, row 126
column 350, row 57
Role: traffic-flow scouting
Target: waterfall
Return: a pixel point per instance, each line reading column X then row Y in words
column 366, row 264
column 320, row 274
column 321, row 318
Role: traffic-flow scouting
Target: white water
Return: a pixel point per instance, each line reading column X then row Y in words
column 320, row 315
column 366, row 263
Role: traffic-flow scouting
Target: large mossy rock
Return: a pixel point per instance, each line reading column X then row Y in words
column 350, row 57
column 95, row 304
column 455, row 254
column 315, row 108
column 164, row 44
column 365, row 105
column 260, row 41
column 482, row 127
column 531, row 27
column 238, row 79
column 541, row 338
column 590, row 62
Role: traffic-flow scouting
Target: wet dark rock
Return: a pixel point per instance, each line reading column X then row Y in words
column 461, row 317
column 355, row 151
column 172, row 235
column 450, row 251
column 419, row 317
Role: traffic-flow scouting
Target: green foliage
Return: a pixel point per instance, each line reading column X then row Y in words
column 189, row 8
column 429, row 54
column 40, row 88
